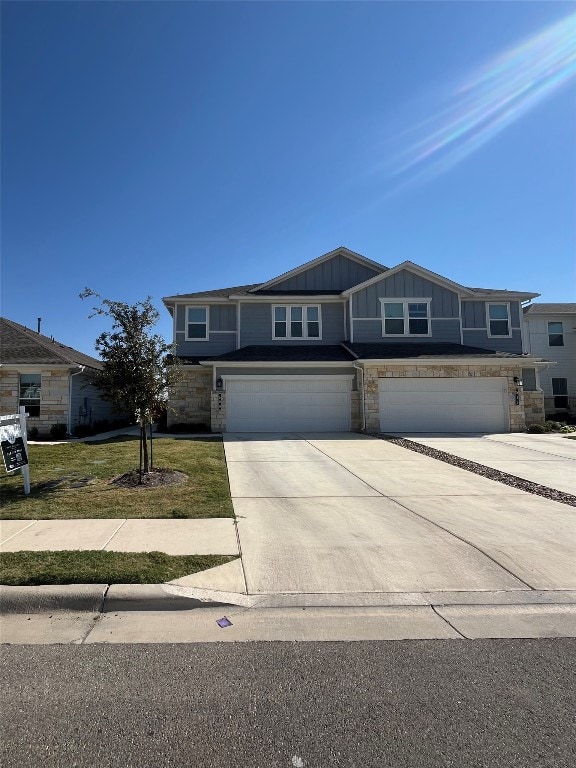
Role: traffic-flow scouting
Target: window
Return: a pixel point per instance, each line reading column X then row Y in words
column 30, row 387
column 196, row 323
column 406, row 318
column 296, row 322
column 499, row 320
column 560, row 392
column 555, row 335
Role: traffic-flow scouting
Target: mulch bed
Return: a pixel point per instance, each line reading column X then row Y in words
column 480, row 469
column 152, row 479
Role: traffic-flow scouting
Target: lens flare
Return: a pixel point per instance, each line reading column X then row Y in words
column 492, row 99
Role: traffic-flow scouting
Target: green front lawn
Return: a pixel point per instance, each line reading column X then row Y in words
column 71, row 480
column 27, row 569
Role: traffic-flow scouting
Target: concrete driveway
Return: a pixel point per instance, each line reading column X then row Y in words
column 342, row 513
column 545, row 459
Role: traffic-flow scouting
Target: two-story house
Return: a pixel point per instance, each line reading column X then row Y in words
column 343, row 343
column 550, row 331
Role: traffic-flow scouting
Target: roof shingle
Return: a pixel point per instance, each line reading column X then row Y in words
column 21, row 346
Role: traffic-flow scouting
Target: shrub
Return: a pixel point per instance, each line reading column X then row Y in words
column 33, row 433
column 538, row 428
column 552, row 426
column 58, row 431
column 567, row 428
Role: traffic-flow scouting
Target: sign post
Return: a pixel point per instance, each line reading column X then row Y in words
column 14, row 443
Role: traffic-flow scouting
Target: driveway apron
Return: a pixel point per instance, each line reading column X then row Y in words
column 342, row 513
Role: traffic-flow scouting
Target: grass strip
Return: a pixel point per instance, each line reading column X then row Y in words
column 27, row 569
column 72, row 480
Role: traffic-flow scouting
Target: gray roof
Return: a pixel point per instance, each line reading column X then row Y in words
column 423, row 350
column 21, row 346
column 288, row 353
column 221, row 293
column 550, row 309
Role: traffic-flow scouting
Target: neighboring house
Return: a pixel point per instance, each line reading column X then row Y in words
column 51, row 380
column 343, row 343
column 550, row 331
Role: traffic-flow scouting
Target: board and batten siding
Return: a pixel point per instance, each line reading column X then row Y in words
column 222, row 332
column 474, row 313
column 564, row 358
column 256, row 323
column 442, row 331
column 338, row 274
column 222, row 317
column 405, row 285
column 498, row 343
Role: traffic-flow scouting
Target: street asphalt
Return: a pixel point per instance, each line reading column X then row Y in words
column 423, row 704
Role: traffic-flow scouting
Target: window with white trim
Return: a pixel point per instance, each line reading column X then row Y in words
column 560, row 392
column 196, row 323
column 30, row 389
column 296, row 322
column 409, row 317
column 555, row 334
column 498, row 320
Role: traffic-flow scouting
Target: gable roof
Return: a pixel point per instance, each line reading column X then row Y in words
column 470, row 293
column 550, row 309
column 341, row 251
column 21, row 346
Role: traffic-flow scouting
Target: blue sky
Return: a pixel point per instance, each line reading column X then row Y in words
column 159, row 148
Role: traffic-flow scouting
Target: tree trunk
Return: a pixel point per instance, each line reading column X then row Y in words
column 145, row 448
column 151, row 449
column 140, row 466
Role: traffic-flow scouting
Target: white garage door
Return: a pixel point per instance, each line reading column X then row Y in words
column 443, row 405
column 320, row 404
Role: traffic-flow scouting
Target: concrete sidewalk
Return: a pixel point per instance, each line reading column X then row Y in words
column 216, row 536
column 548, row 460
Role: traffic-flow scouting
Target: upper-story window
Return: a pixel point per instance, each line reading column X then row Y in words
column 498, row 319
column 30, row 388
column 555, row 334
column 296, row 322
column 410, row 317
column 196, row 323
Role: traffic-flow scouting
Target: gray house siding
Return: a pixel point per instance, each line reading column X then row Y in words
column 256, row 324
column 337, row 274
column 222, row 327
column 474, row 313
column 222, row 317
column 480, row 339
column 87, row 405
column 405, row 284
column 442, row 330
column 219, row 344
column 529, row 379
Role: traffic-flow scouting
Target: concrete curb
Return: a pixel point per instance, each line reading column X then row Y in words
column 95, row 598
column 104, row 598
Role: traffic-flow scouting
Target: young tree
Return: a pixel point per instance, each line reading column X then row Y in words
column 139, row 367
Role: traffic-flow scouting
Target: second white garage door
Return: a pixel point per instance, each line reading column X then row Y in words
column 443, row 405
column 320, row 404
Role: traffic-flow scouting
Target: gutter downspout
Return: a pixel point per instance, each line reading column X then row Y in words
column 363, row 404
column 82, row 367
column 363, row 398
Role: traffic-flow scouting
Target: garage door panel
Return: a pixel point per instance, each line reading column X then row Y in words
column 288, row 405
column 443, row 405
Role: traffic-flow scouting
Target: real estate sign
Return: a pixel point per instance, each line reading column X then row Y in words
column 14, row 445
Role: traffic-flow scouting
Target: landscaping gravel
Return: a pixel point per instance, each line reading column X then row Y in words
column 480, row 469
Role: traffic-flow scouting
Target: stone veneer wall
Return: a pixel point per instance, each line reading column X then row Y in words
column 218, row 400
column 54, row 397
column 534, row 407
column 373, row 373
column 189, row 401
